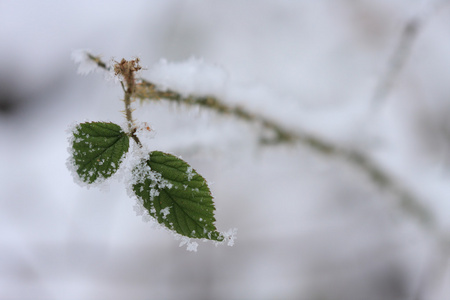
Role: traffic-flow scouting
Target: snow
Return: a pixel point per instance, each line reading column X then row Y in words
column 165, row 211
column 190, row 245
column 144, row 132
column 142, row 172
column 85, row 65
column 188, row 77
column 310, row 226
column 190, row 173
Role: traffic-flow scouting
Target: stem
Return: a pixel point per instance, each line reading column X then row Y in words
column 128, row 113
column 97, row 59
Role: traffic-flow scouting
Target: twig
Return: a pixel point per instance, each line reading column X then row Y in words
column 397, row 61
column 126, row 69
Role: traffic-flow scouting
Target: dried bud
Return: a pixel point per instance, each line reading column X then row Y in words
column 127, row 69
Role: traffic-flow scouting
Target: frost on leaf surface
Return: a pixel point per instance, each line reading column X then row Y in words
column 176, row 196
column 98, row 149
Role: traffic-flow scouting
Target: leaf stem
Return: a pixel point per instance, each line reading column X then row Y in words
column 129, row 116
column 126, row 69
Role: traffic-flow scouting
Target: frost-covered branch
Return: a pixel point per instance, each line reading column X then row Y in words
column 409, row 203
column 146, row 90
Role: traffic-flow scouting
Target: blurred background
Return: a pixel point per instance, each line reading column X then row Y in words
column 309, row 226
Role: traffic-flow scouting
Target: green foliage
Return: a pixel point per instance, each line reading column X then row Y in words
column 98, row 150
column 176, row 195
column 172, row 192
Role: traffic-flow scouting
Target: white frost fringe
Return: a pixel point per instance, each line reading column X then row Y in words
column 85, row 64
column 228, row 237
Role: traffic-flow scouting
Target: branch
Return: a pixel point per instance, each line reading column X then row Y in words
column 126, row 69
column 410, row 204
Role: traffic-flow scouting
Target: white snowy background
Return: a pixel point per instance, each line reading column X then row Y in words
column 309, row 226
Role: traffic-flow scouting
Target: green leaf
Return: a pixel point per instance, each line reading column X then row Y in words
column 176, row 196
column 98, row 150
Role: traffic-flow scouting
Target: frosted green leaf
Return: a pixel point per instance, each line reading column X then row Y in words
column 176, row 196
column 98, row 150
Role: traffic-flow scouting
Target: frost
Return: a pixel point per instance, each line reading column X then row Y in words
column 190, row 246
column 143, row 172
column 85, row 64
column 165, row 212
column 190, row 173
column 139, row 207
column 193, row 76
column 111, row 74
column 143, row 131
column 228, row 237
column 148, row 218
column 70, row 163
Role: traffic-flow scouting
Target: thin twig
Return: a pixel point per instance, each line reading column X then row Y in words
column 402, row 52
column 397, row 60
column 129, row 116
column 127, row 70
